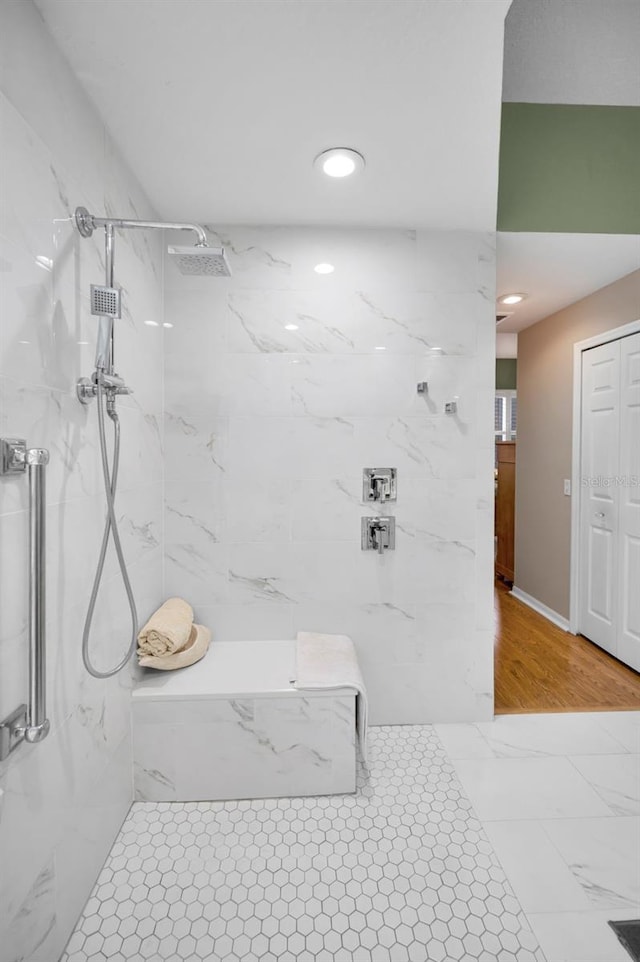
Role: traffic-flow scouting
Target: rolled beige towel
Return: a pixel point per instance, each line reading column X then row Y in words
column 167, row 630
column 194, row 650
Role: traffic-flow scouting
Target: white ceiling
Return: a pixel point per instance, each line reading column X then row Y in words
column 558, row 269
column 220, row 107
column 573, row 52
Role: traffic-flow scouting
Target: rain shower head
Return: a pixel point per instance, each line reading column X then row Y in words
column 201, row 260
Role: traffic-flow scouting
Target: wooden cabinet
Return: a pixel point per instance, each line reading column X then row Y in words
column 505, row 508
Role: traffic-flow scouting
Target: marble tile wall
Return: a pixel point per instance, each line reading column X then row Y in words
column 281, row 385
column 62, row 802
column 264, row 747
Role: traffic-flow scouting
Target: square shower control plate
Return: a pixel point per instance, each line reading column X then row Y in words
column 378, row 534
column 379, row 484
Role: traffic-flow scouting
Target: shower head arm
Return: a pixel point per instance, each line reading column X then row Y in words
column 87, row 223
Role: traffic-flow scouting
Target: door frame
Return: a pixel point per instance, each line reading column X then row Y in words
column 633, row 327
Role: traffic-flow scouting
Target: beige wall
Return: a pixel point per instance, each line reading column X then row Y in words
column 545, row 397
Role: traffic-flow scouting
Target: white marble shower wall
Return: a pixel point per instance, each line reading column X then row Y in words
column 281, row 385
column 62, row 802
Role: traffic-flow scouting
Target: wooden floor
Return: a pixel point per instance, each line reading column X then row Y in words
column 540, row 668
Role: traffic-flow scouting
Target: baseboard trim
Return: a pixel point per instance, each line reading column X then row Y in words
column 542, row 609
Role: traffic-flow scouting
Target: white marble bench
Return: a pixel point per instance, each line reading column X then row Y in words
column 233, row 726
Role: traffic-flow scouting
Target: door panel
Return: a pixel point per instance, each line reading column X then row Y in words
column 629, row 503
column 601, row 559
column 599, row 496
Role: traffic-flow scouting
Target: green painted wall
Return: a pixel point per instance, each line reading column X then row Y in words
column 506, row 373
column 569, row 168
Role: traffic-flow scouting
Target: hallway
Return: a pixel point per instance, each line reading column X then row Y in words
column 541, row 668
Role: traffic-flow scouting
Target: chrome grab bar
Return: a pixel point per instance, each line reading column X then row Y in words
column 37, row 727
column 30, row 722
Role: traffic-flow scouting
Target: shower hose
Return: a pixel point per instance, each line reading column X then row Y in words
column 110, row 528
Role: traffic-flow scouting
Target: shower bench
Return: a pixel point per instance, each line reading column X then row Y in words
column 234, row 726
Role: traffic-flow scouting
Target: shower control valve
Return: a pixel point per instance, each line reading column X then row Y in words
column 378, row 534
column 87, row 387
column 379, row 484
column 85, row 390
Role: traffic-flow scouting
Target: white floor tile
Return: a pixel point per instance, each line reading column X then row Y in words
column 513, row 736
column 616, row 779
column 604, row 856
column 624, row 726
column 577, row 937
column 541, row 880
column 528, row 788
column 464, row 741
column 400, row 872
column 403, row 870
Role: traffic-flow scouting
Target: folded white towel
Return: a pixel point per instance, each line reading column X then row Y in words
column 167, row 630
column 194, row 650
column 330, row 661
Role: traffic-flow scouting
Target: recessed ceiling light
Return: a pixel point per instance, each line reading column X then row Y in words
column 324, row 268
column 167, row 324
column 152, row 324
column 82, row 343
column 511, row 298
column 380, row 348
column 291, row 327
column 339, row 161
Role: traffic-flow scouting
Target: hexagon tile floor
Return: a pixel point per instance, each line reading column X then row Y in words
column 399, row 872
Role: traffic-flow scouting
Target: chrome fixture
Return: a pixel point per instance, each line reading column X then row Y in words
column 87, row 388
column 12, row 731
column 379, row 484
column 200, row 259
column 422, row 387
column 87, row 223
column 105, row 301
column 13, row 456
column 105, row 385
column 211, row 261
column 30, row 722
column 378, row 534
column 451, row 407
column 37, row 727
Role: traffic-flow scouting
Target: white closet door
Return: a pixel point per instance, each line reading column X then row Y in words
column 629, row 504
column 599, row 495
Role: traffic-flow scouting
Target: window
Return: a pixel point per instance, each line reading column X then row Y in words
column 513, row 416
column 506, row 415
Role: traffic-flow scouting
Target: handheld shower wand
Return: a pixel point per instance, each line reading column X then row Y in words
column 105, row 304
column 104, row 385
